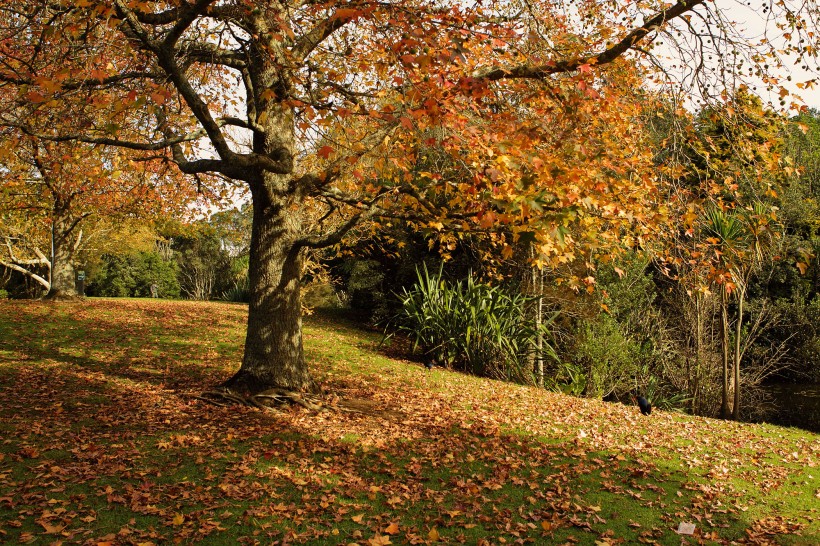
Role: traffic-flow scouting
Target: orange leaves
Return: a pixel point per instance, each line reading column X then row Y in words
column 347, row 13
column 325, row 152
column 443, row 458
column 35, row 96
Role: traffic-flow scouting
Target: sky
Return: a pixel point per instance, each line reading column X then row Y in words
column 754, row 23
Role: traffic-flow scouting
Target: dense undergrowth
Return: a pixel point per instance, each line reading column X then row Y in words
column 102, row 441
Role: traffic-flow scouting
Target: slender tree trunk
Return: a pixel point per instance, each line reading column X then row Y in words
column 538, row 284
column 724, row 341
column 736, row 360
column 699, row 305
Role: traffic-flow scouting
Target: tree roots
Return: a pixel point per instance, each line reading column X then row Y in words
column 266, row 400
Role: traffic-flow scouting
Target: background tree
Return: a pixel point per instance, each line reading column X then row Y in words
column 51, row 192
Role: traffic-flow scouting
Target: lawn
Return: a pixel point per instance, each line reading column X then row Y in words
column 103, row 441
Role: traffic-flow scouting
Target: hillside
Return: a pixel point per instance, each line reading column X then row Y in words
column 102, row 441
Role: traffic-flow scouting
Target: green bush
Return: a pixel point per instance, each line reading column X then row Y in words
column 608, row 358
column 473, row 327
column 238, row 293
column 132, row 276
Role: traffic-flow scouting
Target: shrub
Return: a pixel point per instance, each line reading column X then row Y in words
column 473, row 327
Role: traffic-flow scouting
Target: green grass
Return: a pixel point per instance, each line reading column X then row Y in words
column 103, row 441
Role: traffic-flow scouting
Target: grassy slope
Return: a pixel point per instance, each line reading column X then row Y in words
column 102, row 442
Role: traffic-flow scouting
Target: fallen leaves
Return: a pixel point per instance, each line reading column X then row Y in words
column 457, row 460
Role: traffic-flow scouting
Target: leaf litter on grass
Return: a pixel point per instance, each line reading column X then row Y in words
column 104, row 442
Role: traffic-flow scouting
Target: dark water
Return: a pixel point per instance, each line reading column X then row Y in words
column 794, row 405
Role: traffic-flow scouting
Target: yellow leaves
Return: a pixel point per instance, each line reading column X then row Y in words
column 179, row 519
column 392, row 529
column 379, row 540
column 267, row 95
column 433, row 535
column 51, row 529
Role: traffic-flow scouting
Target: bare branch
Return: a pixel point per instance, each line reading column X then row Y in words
column 630, row 41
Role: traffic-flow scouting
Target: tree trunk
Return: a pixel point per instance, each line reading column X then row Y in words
column 273, row 346
column 63, row 283
column 273, row 356
column 724, row 341
column 538, row 281
column 699, row 306
column 736, row 360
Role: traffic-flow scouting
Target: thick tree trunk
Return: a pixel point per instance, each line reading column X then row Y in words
column 273, row 356
column 273, row 347
column 63, row 283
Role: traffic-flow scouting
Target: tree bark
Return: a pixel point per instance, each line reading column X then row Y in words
column 63, row 284
column 274, row 355
column 724, row 339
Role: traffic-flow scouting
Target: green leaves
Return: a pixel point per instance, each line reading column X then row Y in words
column 472, row 326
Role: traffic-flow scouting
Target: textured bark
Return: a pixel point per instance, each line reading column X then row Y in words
column 274, row 356
column 63, row 285
column 273, row 346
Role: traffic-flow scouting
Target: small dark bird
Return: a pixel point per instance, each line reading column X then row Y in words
column 646, row 407
column 429, row 364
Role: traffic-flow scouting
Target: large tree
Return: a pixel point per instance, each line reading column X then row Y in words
column 331, row 104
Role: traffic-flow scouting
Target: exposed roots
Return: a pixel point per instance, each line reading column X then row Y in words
column 267, row 400
column 272, row 399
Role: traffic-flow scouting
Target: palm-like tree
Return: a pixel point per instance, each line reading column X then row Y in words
column 739, row 237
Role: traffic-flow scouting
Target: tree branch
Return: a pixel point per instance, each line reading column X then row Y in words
column 320, row 33
column 107, row 141
column 335, row 237
column 607, row 56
